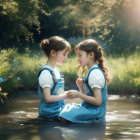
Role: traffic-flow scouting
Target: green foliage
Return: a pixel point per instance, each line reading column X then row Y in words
column 107, row 20
column 8, row 70
column 115, row 22
column 29, row 69
column 19, row 20
column 126, row 73
column 20, row 71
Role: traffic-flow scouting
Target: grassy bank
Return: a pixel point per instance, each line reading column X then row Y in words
column 20, row 71
column 126, row 73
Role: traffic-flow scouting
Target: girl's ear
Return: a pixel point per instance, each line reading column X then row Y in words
column 91, row 54
column 53, row 53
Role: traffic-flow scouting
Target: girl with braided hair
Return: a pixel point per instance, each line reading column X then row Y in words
column 92, row 90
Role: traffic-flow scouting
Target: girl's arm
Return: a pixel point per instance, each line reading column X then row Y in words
column 81, row 90
column 96, row 100
column 52, row 98
column 79, row 83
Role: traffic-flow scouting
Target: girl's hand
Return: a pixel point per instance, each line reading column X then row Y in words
column 79, row 83
column 66, row 93
column 72, row 93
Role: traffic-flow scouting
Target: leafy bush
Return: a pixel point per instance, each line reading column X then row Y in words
column 8, row 70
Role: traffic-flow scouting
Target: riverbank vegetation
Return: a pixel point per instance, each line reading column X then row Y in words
column 20, row 71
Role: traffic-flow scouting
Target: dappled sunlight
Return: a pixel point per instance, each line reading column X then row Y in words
column 111, row 117
column 133, row 13
column 23, row 115
column 120, row 120
column 113, row 97
column 118, row 109
column 135, row 112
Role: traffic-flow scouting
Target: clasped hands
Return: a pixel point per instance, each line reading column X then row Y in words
column 75, row 93
column 72, row 93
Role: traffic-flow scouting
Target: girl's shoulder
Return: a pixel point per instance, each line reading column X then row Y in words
column 45, row 78
column 95, row 69
column 56, row 71
column 96, row 79
column 45, row 72
column 96, row 73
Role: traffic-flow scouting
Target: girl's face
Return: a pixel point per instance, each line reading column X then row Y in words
column 83, row 58
column 61, row 56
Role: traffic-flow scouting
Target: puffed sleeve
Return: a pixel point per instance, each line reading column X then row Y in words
column 96, row 79
column 45, row 79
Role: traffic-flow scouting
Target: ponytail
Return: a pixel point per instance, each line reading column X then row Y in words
column 55, row 43
column 44, row 45
column 91, row 45
column 101, row 64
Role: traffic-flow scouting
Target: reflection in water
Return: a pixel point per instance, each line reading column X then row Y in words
column 72, row 131
column 48, row 131
column 18, row 122
column 87, row 131
column 39, row 130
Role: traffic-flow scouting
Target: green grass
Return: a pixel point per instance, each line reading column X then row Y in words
column 20, row 71
column 126, row 73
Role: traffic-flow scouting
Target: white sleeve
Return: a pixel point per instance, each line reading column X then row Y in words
column 45, row 79
column 96, row 79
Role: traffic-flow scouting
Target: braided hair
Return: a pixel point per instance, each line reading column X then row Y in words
column 91, row 45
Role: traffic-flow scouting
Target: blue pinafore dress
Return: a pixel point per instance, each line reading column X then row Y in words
column 51, row 110
column 86, row 112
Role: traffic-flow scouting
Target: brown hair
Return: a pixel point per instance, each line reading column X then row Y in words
column 91, row 45
column 55, row 43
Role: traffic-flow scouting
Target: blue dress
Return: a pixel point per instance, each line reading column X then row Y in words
column 86, row 112
column 51, row 110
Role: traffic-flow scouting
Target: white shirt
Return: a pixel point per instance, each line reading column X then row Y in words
column 96, row 79
column 45, row 78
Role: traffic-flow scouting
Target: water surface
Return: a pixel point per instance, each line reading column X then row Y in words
column 18, row 122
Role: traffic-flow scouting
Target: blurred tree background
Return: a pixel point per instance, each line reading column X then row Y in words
column 115, row 22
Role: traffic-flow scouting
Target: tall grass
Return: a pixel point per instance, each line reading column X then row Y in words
column 126, row 73
column 20, row 71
